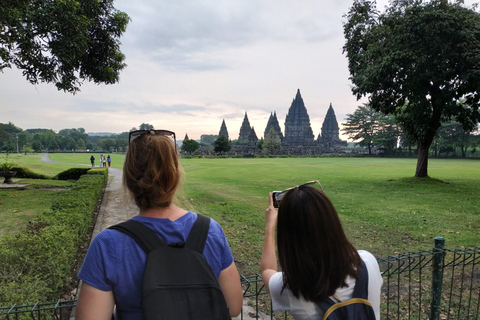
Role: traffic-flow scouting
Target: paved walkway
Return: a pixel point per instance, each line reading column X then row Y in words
column 116, row 208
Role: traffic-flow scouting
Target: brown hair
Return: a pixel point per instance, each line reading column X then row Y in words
column 313, row 250
column 152, row 172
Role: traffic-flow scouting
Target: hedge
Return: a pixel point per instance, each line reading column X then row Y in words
column 27, row 173
column 36, row 265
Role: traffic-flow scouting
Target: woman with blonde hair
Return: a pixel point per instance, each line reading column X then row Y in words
column 113, row 268
column 317, row 261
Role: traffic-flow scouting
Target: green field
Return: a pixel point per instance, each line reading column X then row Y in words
column 383, row 208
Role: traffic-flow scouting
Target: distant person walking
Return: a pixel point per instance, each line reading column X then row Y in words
column 104, row 161
column 109, row 160
column 101, row 160
column 92, row 160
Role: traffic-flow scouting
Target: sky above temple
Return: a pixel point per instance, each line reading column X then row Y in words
column 192, row 64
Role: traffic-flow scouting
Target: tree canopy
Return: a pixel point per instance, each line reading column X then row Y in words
column 272, row 142
column 369, row 128
column 419, row 61
column 221, row 144
column 62, row 42
column 190, row 146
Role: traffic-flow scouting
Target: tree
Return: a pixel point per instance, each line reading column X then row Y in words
column 27, row 150
column 107, row 144
column 62, row 42
column 370, row 128
column 208, row 139
column 9, row 146
column 260, row 144
column 24, row 138
column 67, row 143
column 121, row 143
column 419, row 61
column 81, row 143
column 388, row 133
column 221, row 144
column 190, row 146
column 8, row 133
column 451, row 136
column 37, row 146
column 361, row 126
column 146, row 126
column 272, row 142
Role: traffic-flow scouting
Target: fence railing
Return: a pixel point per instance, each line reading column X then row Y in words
column 428, row 284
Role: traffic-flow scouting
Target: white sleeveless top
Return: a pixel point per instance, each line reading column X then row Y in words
column 300, row 309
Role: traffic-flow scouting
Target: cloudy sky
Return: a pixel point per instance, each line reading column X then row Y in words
column 193, row 63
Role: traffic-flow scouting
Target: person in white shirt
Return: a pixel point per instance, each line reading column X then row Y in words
column 315, row 256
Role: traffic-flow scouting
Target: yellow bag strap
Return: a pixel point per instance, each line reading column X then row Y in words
column 344, row 303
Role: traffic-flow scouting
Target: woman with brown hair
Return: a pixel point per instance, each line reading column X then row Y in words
column 112, row 271
column 315, row 256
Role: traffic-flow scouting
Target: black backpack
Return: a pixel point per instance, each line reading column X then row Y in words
column 356, row 308
column 178, row 283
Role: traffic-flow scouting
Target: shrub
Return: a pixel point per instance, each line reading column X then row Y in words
column 37, row 263
column 72, row 174
column 28, row 174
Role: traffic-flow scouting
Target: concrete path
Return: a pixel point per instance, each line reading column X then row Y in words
column 116, row 208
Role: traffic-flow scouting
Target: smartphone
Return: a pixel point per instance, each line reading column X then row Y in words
column 277, row 197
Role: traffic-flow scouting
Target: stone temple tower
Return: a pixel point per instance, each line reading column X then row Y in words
column 244, row 129
column 298, row 131
column 252, row 137
column 273, row 123
column 223, row 130
column 330, row 132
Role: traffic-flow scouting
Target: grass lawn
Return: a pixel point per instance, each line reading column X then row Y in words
column 383, row 209
column 19, row 206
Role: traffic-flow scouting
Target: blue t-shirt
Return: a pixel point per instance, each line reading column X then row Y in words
column 114, row 261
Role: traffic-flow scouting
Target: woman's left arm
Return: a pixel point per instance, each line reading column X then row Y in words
column 94, row 304
column 229, row 281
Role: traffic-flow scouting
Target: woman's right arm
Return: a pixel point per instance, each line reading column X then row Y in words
column 268, row 263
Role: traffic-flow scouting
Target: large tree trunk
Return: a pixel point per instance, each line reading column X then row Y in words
column 422, row 161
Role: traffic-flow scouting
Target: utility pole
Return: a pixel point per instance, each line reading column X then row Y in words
column 18, row 151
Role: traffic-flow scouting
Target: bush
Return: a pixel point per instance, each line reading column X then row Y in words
column 76, row 173
column 37, row 264
column 28, row 174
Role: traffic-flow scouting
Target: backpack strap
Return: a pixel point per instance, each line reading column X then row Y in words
column 148, row 240
column 344, row 303
column 198, row 235
column 360, row 292
column 145, row 237
column 361, row 285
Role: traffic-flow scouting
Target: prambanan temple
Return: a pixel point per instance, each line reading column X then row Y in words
column 298, row 138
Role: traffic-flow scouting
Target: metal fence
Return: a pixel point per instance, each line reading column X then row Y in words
column 428, row 284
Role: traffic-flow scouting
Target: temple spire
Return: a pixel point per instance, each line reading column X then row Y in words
column 223, row 130
column 252, row 137
column 273, row 123
column 244, row 129
column 297, row 124
column 330, row 130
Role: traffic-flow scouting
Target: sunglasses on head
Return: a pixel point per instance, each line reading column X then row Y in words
column 278, row 195
column 137, row 133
